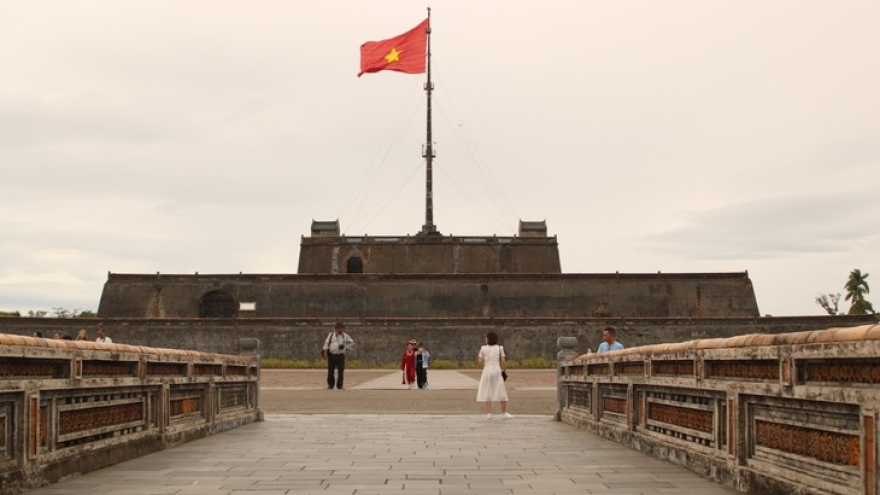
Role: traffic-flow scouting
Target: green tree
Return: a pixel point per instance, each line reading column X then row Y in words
column 40, row 313
column 829, row 302
column 856, row 289
column 10, row 314
column 72, row 313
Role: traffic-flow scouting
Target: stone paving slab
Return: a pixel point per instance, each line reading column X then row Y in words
column 388, row 454
column 437, row 380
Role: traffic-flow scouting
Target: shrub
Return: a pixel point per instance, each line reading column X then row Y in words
column 532, row 363
column 437, row 364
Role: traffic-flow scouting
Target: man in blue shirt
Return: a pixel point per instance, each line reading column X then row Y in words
column 609, row 343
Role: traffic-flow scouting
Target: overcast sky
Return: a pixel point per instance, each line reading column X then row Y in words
column 204, row 136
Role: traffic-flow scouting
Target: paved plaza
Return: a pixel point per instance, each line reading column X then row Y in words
column 336, row 452
column 393, row 454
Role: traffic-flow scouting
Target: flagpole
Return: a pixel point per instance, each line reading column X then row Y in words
column 428, row 151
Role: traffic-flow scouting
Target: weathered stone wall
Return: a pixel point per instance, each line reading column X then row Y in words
column 69, row 407
column 382, row 340
column 791, row 413
column 430, row 254
column 435, row 296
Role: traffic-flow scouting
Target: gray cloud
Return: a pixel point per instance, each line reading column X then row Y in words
column 773, row 228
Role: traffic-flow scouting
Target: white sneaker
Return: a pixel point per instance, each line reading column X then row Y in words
column 507, row 415
column 488, row 415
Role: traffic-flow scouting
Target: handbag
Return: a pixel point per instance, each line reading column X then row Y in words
column 503, row 372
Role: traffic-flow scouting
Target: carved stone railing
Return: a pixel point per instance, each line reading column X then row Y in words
column 788, row 413
column 69, row 407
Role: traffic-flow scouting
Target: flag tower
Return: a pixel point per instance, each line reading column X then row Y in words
column 409, row 53
column 428, row 152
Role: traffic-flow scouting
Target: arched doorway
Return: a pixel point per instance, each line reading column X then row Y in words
column 354, row 265
column 218, row 304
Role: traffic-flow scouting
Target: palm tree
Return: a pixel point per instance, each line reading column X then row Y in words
column 856, row 288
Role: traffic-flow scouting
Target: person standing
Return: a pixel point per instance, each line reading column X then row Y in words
column 82, row 334
column 333, row 351
column 422, row 357
column 491, row 387
column 102, row 337
column 609, row 343
column 408, row 364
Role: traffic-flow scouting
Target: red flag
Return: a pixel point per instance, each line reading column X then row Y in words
column 404, row 53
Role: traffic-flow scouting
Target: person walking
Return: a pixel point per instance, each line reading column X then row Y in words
column 333, row 351
column 491, row 387
column 422, row 357
column 408, row 364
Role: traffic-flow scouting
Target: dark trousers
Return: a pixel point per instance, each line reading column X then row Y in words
column 335, row 361
column 421, row 376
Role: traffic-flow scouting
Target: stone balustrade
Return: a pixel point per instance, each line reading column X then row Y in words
column 69, row 407
column 791, row 413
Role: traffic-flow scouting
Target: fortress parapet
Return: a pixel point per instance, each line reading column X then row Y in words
column 763, row 413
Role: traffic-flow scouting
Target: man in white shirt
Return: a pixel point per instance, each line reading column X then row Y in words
column 102, row 337
column 333, row 351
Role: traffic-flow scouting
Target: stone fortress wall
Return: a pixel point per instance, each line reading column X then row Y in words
column 382, row 340
column 429, row 296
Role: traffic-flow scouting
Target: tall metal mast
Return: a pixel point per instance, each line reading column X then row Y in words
column 428, row 150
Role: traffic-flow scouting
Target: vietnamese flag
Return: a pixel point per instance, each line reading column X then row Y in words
column 404, row 53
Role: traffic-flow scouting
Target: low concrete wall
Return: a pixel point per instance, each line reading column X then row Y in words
column 70, row 407
column 768, row 414
column 382, row 340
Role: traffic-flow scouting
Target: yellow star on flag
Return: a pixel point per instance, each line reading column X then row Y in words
column 393, row 56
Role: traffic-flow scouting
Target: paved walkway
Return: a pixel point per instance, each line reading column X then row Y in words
column 388, row 454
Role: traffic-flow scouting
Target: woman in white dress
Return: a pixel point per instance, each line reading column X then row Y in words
column 491, row 383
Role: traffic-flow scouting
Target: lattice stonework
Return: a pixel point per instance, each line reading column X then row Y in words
column 598, row 369
column 580, row 397
column 826, row 446
column 237, row 370
column 841, row 370
column 684, row 417
column 4, row 434
column 44, row 422
column 99, row 417
column 32, row 368
column 630, row 368
column 108, row 368
column 675, row 368
column 166, row 368
column 188, row 405
column 615, row 405
column 233, row 397
column 207, row 370
column 766, row 369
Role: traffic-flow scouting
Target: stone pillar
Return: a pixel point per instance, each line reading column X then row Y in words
column 251, row 347
column 566, row 347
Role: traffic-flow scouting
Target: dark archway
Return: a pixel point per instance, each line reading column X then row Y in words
column 218, row 304
column 354, row 265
